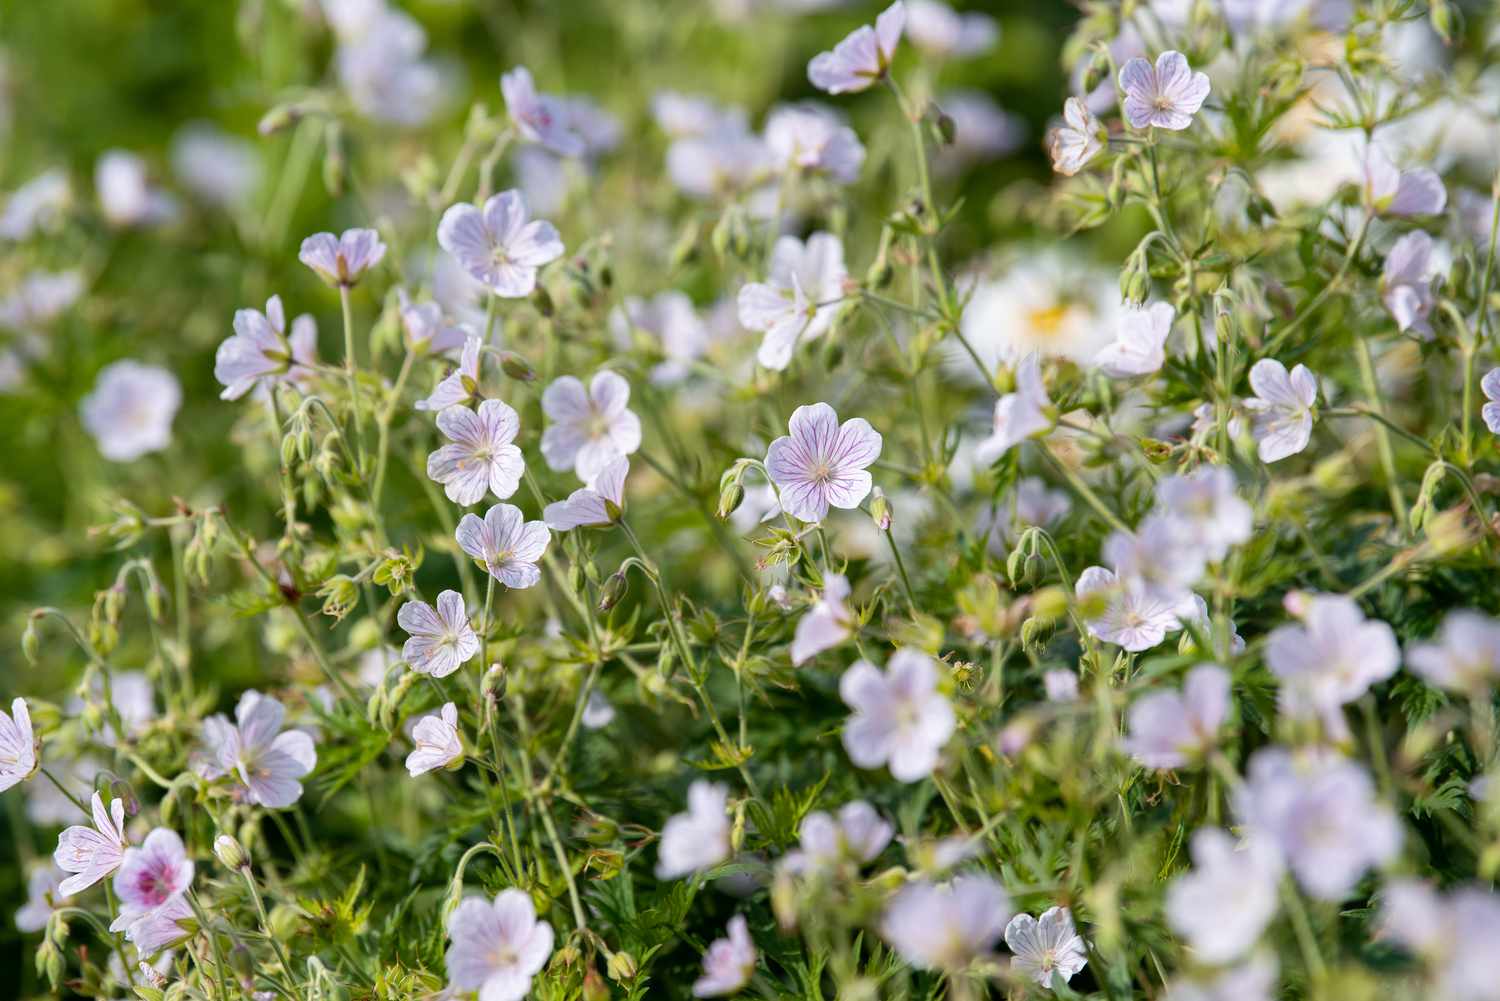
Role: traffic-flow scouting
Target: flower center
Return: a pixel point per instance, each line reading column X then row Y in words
column 1047, row 321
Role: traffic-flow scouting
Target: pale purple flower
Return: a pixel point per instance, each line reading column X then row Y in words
column 435, row 740
column 589, row 427
column 130, row 411
column 1223, row 904
column 1019, row 415
column 127, row 196
column 728, row 963
column 462, row 384
column 1205, row 511
column 265, row 761
column 380, row 65
column 342, row 260
column 813, row 139
column 540, row 118
column 1047, row 946
column 42, row 898
column 1078, row 140
column 1406, row 283
column 151, row 875
column 1330, row 658
column 822, row 463
column 20, row 747
column 683, row 115
column 699, row 838
column 168, row 925
column 862, row 58
column 1490, row 386
column 719, row 165
column 427, row 331
column 799, row 299
column 497, row 245
column 1166, row 96
column 1198, row 615
column 496, row 947
column 1133, row 618
column 946, row 927
column 982, row 130
column 481, row 458
column 670, row 318
column 597, row 505
column 221, row 169
column 441, row 640
column 1061, row 685
column 598, row 713
column 1465, row 656
column 1282, row 408
column 856, row 836
column 1453, row 933
column 1253, row 980
column 1156, row 558
column 899, row 717
column 1171, row 729
column 258, row 351
column 39, row 299
column 1389, row 190
column 41, row 204
column 91, row 853
column 826, row 624
column 940, row 30
column 506, row 543
column 1139, row 347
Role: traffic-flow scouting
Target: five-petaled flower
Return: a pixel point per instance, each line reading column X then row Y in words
column 863, row 57
column 540, row 118
column 265, row 761
column 19, row 746
column 497, row 947
column 462, row 384
column 799, row 299
column 1164, row 96
column 822, row 463
column 590, row 427
column 900, row 718
column 435, row 741
column 1047, row 946
column 1078, row 140
column 596, row 505
column 728, row 963
column 696, row 839
column 342, row 260
column 92, row 853
column 1019, row 415
column 481, row 457
column 1282, row 408
column 505, row 543
column 150, row 876
column 441, row 641
column 498, row 245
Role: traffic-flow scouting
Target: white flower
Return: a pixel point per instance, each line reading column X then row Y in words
column 497, row 947
column 1451, row 933
column 130, row 411
column 699, row 838
column 856, row 836
column 728, row 963
column 441, row 640
column 126, row 195
column 1156, row 558
column 1139, row 347
column 1330, row 659
column 1133, row 618
column 671, row 319
column 1466, row 656
column 258, row 352
column 1019, row 415
column 482, row 457
column 826, row 624
column 862, row 58
column 718, row 165
column 40, row 298
column 1254, row 980
column 1169, row 730
column 20, row 747
column 435, row 741
column 1046, row 303
column 683, row 115
column 540, row 118
column 342, row 260
column 150, row 876
column 91, row 853
column 427, row 331
column 39, row 205
column 1078, row 140
column 1490, row 385
column 1061, row 685
column 1281, row 407
column 946, row 927
column 1166, row 96
column 42, row 898
column 220, row 169
column 899, row 717
column 799, row 299
column 1031, row 503
column 1046, row 947
column 943, row 31
column 266, row 762
column 594, row 506
column 597, row 712
column 812, row 138
column 1406, row 284
column 380, row 65
column 822, row 463
column 459, row 386
column 982, row 131
column 590, row 428
column 1225, row 901
column 1204, row 510
column 497, row 245
column 506, row 543
column 1391, row 191
column 1198, row 614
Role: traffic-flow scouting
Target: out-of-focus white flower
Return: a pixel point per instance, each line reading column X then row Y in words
column 1170, row 730
column 132, row 697
column 699, row 838
column 1019, row 415
column 462, row 384
column 728, row 963
column 441, row 640
column 982, row 130
column 1253, row 980
column 1156, row 559
column 670, row 318
column 1476, row 216
column 1281, row 407
column 481, row 457
column 1061, row 685
column 1078, row 140
column 1490, row 386
column 1451, row 933
column 1046, row 946
column 1133, row 618
column 946, row 926
column 150, row 876
column 596, row 505
column 1165, row 96
column 344, row 259
column 822, row 463
column 1205, row 511
column 1047, row 304
column 427, row 331
column 265, row 762
column 862, row 58
column 539, row 118
column 1389, row 190
column 899, row 717
column 719, row 164
column 221, row 169
column 40, row 298
column 380, row 65
column 506, row 543
column 940, row 30
column 435, row 741
column 1221, row 906
column 38, row 206
column 813, row 139
column 857, row 835
column 1198, row 614
column 1406, row 283
column 91, row 853
column 1140, row 343
column 20, row 747
column 42, row 898
column 130, row 411
column 497, row 947
column 799, row 299
column 597, row 712
column 1330, row 659
column 681, row 116
column 126, row 195
column 498, row 245
column 826, row 624
column 590, row 428
column 1465, row 657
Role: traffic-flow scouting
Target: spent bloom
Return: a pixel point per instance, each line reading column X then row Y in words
column 589, row 427
column 497, row 245
column 1019, row 415
column 1282, row 408
column 1205, row 511
column 728, row 963
column 342, row 260
column 937, row 28
column 441, row 640
column 799, row 299
column 1406, row 283
column 1170, row 729
column 435, row 740
column 497, row 947
column 822, row 463
column 1078, row 140
column 1330, row 658
column 506, row 543
column 482, row 457
column 1165, row 96
column 699, row 838
column 540, row 118
column 899, row 717
column 857, row 835
column 266, row 761
column 131, row 408
column 596, row 505
column 459, row 386
column 20, row 747
column 91, row 853
column 826, row 624
column 1133, row 617
column 863, row 57
column 946, row 927
column 1465, row 656
column 1047, row 946
column 151, row 875
column 1221, row 906
column 1389, row 190
column 1139, row 347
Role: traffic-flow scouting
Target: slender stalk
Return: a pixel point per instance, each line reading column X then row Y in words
column 350, row 365
column 1082, row 489
column 1311, row 306
column 1382, row 435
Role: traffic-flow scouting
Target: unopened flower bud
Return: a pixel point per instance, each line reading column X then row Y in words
column 880, row 509
column 1097, row 70
column 594, row 987
column 493, row 682
column 231, row 853
column 621, row 966
column 29, row 642
column 731, row 495
column 516, row 367
column 283, row 116
column 614, row 591
column 542, row 300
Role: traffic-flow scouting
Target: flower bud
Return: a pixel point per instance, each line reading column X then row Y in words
column 1097, row 70
column 281, row 117
column 542, row 300
column 614, row 591
column 493, row 682
column 621, row 966
column 516, row 367
column 594, row 987
column 29, row 642
column 686, row 247
column 880, row 509
column 230, row 853
column 731, row 495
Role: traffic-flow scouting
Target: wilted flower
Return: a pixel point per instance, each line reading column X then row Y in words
column 497, row 947
column 130, row 411
column 811, row 138
column 946, row 927
column 699, row 838
column 459, row 386
column 539, row 118
column 1204, row 510
column 1047, row 946
column 590, row 428
column 939, row 29
column 1133, row 618
column 1225, row 901
column 150, row 876
column 1169, row 730
column 862, row 58
column 1166, row 96
column 1282, row 408
column 436, row 740
column 20, row 747
column 799, row 299
column 507, row 544
column 91, row 853
column 826, row 624
column 1465, row 657
column 1406, row 284
column 857, row 836
column 481, row 457
column 1391, row 191
column 1139, row 347
column 596, row 505
column 497, row 245
column 822, row 463
column 42, row 898
column 1331, row 658
column 1078, row 140
column 899, row 717
column 342, row 260
column 266, row 762
column 1019, row 415
column 728, row 963
column 441, row 640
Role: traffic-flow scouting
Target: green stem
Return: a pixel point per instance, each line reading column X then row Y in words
column 349, row 375
column 1382, row 435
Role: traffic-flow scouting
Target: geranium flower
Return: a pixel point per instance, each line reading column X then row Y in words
column 1253, row 980
column 481, row 457
column 1330, row 658
column 127, row 196
column 1465, row 656
column 91, row 853
column 436, row 740
column 1282, row 408
column 862, row 58
column 1389, row 190
column 1223, row 904
column 41, row 204
column 151, row 875
column 1166, row 96
column 1156, row 559
column 1019, row 415
column 699, row 838
column 1061, row 685
column 20, row 747
column 1490, row 386
column 1406, row 283
column 946, row 927
column 1078, row 140
column 1046, row 946
column 728, row 963
column 899, row 717
column 826, row 624
column 597, row 711
column 497, row 245
column 168, row 925
column 942, row 31
column 506, row 543
column 822, row 463
column 670, row 318
column 813, row 139
column 1139, row 347
column 131, row 408
column 266, row 762
column 427, row 332
column 799, row 299
column 1133, row 619
column 497, row 947
column 342, row 260
column 441, row 640
column 857, row 835
column 1450, row 933
column 595, row 506
column 1205, row 511
column 459, row 386
column 1169, row 730
column 539, row 118
column 590, row 428
column 257, row 353
column 42, row 898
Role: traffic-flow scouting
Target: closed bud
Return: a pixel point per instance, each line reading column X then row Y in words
column 281, row 117
column 614, row 590
column 784, row 899
column 621, row 966
column 1442, row 19
column 492, row 685
column 731, row 495
column 947, row 128
column 516, row 367
column 49, row 963
column 288, row 450
column 594, row 987
column 121, row 790
column 1097, row 70
column 542, row 300
column 29, row 642
column 686, row 247
column 230, row 853
column 880, row 509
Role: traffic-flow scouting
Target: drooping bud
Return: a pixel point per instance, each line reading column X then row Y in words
column 880, row 509
column 230, row 853
column 516, row 367
column 614, row 590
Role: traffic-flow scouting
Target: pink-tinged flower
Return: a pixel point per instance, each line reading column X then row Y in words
column 436, row 741
column 427, row 331
column 481, row 457
column 942, row 31
column 1047, row 946
column 1330, row 658
column 813, row 139
column 822, row 463
column 728, row 963
column 170, row 924
column 826, row 624
column 1078, row 140
column 131, row 408
column 1140, row 343
column 1019, row 415
column 1170, row 730
column 441, row 641
column 151, row 875
column 498, row 245
column 946, row 927
column 1282, row 408
column 799, row 299
column 506, row 543
column 1389, row 190
column 1133, row 618
column 342, row 260
column 459, row 386
column 497, row 947
column 1166, row 96
column 1465, row 656
column 900, row 718
column 266, row 762
column 91, row 853
column 597, row 505
column 590, row 428
column 1221, row 906
column 20, row 747
column 1406, row 283
column 540, row 118
column 699, row 838
column 42, row 898
column 1490, row 386
column 825, row 843
column 257, row 353
column 862, row 58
